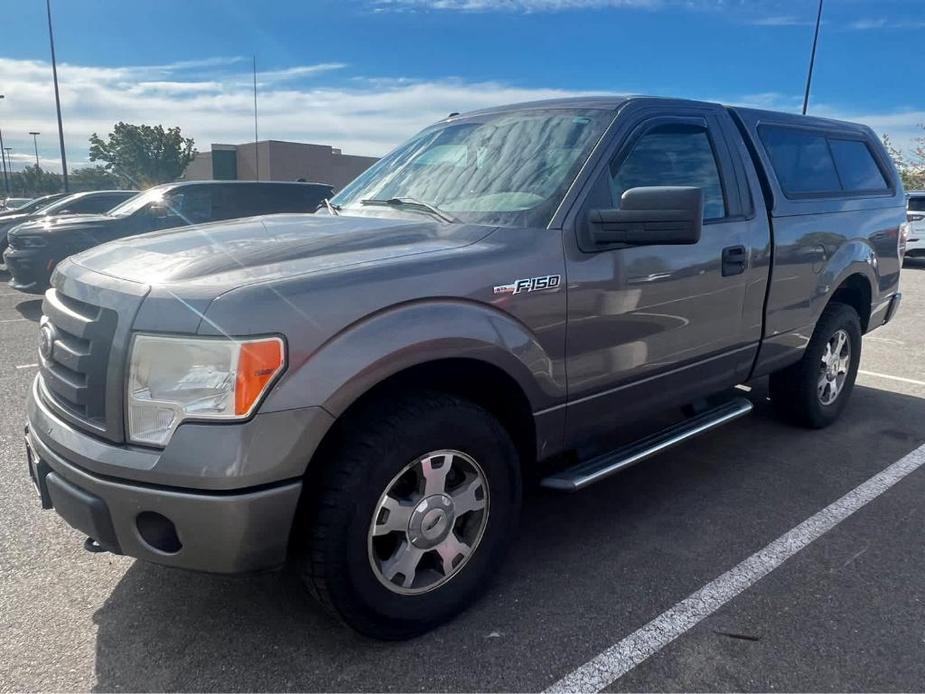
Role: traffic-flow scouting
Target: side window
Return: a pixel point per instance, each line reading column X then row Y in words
column 100, row 203
column 193, row 204
column 856, row 166
column 801, row 160
column 672, row 155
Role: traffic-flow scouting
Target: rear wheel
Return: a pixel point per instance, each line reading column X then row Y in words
column 814, row 391
column 415, row 512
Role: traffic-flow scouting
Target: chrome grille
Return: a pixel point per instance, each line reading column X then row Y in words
column 76, row 358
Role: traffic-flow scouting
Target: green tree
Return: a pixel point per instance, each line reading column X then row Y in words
column 93, row 178
column 34, row 181
column 143, row 155
column 911, row 167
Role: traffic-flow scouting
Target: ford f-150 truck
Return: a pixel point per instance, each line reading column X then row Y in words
column 364, row 389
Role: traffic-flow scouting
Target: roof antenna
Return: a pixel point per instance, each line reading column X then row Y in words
column 454, row 113
column 812, row 60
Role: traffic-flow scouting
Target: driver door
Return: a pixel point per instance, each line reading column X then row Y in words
column 655, row 326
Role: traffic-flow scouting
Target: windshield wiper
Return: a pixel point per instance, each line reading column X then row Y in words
column 333, row 209
column 411, row 204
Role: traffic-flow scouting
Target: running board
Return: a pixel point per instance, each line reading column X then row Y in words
column 595, row 469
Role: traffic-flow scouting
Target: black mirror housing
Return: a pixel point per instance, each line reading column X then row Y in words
column 657, row 215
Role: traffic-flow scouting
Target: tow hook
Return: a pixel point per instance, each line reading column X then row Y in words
column 93, row 546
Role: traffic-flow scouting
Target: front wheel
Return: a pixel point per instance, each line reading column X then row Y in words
column 814, row 391
column 415, row 512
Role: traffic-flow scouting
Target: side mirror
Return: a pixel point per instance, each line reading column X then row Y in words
column 650, row 216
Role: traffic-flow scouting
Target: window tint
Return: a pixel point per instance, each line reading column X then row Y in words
column 672, row 155
column 801, row 160
column 94, row 204
column 856, row 166
column 917, row 204
column 193, row 204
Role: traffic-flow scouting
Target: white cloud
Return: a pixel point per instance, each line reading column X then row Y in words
column 511, row 5
column 358, row 115
column 362, row 116
column 782, row 21
column 870, row 24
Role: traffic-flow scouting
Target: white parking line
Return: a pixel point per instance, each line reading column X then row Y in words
column 27, row 366
column 892, row 378
column 616, row 661
column 13, row 320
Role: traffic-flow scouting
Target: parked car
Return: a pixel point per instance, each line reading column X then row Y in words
column 15, row 203
column 36, row 248
column 365, row 389
column 915, row 235
column 31, row 206
column 75, row 204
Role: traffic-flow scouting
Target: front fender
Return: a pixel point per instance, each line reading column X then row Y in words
column 378, row 346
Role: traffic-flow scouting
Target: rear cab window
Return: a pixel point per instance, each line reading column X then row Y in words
column 813, row 163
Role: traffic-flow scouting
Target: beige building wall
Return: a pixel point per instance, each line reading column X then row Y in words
column 285, row 161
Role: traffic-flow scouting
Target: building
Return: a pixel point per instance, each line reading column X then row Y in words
column 278, row 161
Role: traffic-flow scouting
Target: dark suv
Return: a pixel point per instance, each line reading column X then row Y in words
column 35, row 248
column 93, row 202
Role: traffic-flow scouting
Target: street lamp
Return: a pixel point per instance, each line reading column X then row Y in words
column 6, row 180
column 35, row 142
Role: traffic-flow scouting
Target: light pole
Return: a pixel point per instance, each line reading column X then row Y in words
column 35, row 142
column 6, row 180
column 812, row 60
column 54, row 72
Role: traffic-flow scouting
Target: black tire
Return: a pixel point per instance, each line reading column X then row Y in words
column 794, row 389
column 371, row 449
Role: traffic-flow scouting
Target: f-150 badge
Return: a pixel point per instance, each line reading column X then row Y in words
column 529, row 284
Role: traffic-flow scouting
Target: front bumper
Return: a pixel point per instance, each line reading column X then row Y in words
column 222, row 531
column 30, row 269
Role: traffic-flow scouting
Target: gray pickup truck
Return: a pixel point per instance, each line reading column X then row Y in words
column 364, row 389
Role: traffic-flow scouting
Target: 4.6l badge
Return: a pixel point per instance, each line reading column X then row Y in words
column 529, row 284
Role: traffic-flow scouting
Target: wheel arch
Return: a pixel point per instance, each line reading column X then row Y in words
column 855, row 291
column 850, row 277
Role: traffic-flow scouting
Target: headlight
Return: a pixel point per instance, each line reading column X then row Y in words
column 172, row 379
column 30, row 241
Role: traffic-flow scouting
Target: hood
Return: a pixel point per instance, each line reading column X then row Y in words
column 258, row 249
column 9, row 221
column 67, row 222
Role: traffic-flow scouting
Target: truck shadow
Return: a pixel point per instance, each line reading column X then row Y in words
column 30, row 309
column 609, row 559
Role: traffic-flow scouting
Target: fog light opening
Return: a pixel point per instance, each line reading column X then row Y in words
column 158, row 531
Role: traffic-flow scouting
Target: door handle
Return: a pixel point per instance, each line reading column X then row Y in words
column 735, row 260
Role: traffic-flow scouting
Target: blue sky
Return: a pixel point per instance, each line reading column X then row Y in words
column 365, row 74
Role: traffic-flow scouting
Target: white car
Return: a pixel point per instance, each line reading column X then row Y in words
column 915, row 229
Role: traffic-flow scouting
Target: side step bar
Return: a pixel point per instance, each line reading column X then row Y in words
column 595, row 469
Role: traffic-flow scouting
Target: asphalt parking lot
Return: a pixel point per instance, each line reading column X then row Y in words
column 845, row 613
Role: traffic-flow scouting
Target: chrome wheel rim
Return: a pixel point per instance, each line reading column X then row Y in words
column 428, row 522
column 833, row 369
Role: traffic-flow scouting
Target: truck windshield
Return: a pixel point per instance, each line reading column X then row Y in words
column 507, row 169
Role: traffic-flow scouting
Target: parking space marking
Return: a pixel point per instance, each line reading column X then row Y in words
column 13, row 320
column 27, row 366
column 604, row 669
column 892, row 378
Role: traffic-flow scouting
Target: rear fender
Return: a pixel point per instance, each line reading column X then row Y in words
column 856, row 257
